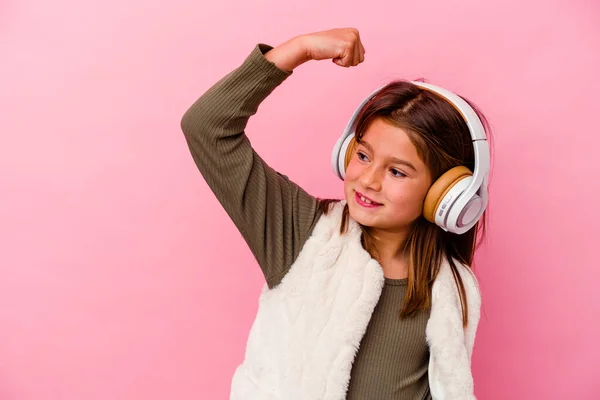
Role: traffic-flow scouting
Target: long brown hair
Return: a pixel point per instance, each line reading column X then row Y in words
column 443, row 141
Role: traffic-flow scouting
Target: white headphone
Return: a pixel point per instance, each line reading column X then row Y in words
column 457, row 200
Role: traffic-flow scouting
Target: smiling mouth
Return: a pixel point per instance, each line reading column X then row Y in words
column 364, row 201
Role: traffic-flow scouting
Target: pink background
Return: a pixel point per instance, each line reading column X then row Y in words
column 122, row 278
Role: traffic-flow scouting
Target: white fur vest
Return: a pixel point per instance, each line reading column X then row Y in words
column 308, row 328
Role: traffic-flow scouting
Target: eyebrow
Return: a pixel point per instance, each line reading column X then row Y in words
column 394, row 160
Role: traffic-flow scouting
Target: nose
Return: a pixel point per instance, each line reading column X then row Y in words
column 371, row 178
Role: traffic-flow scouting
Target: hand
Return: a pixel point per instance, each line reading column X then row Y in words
column 342, row 46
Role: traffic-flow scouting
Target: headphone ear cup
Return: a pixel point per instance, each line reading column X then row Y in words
column 339, row 155
column 440, row 189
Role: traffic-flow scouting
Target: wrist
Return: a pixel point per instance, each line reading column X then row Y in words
column 289, row 55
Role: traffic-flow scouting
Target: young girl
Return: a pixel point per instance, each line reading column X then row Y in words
column 368, row 297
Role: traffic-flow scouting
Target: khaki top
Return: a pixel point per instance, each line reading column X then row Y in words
column 275, row 216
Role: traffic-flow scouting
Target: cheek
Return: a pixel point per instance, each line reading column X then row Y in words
column 353, row 170
column 406, row 196
column 352, row 175
column 397, row 195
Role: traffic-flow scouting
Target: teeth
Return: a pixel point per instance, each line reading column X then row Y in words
column 363, row 198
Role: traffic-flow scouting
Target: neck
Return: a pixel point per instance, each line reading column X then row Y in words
column 390, row 248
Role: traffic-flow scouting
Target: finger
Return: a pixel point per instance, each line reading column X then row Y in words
column 356, row 54
column 362, row 52
column 356, row 49
column 340, row 62
column 347, row 58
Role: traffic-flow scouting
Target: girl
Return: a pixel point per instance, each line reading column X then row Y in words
column 365, row 298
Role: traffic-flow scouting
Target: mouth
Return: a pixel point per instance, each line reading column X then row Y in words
column 364, row 201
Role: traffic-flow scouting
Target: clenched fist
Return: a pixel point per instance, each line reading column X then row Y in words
column 342, row 45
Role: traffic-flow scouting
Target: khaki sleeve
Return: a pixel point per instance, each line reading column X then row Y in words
column 274, row 215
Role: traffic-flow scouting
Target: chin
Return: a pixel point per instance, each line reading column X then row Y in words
column 361, row 216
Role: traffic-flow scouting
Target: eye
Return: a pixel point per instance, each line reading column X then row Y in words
column 361, row 156
column 397, row 174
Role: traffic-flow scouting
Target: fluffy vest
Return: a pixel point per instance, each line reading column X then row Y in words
column 308, row 328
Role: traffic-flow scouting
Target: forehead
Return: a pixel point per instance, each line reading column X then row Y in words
column 389, row 140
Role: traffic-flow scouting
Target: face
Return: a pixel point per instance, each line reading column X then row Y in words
column 386, row 180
